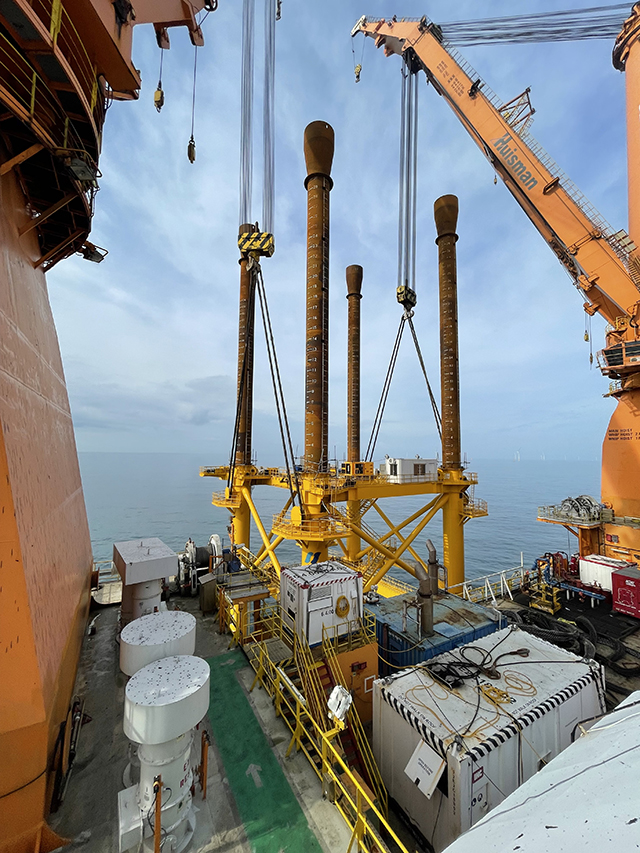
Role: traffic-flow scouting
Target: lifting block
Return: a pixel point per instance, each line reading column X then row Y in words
column 258, row 243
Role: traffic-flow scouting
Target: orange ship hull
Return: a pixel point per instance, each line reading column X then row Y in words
column 45, row 549
column 61, row 63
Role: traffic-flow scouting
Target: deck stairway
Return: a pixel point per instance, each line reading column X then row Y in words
column 313, row 673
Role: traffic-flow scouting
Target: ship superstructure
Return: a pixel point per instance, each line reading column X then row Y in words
column 61, row 64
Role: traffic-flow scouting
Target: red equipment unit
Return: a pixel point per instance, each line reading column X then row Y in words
column 626, row 591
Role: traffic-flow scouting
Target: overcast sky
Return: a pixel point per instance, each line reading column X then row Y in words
column 149, row 336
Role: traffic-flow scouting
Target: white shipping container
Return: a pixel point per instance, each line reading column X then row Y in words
column 449, row 754
column 405, row 470
column 322, row 595
column 586, row 799
column 596, row 570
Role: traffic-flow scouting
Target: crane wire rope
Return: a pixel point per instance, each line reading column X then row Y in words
column 407, row 241
column 357, row 65
column 268, row 125
column 407, row 193
column 375, row 429
column 594, row 22
column 278, row 393
column 246, row 110
column 241, row 384
column 272, row 9
column 191, row 147
column 434, row 404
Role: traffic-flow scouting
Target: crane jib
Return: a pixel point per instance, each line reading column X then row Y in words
column 509, row 154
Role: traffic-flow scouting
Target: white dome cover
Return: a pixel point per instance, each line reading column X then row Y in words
column 156, row 636
column 166, row 698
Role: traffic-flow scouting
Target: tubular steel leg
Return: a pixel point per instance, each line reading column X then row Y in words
column 318, row 152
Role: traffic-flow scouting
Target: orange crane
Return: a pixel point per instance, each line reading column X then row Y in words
column 604, row 264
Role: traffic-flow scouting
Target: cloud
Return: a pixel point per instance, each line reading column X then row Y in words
column 107, row 405
column 149, row 337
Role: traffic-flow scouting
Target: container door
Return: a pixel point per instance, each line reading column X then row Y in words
column 320, row 612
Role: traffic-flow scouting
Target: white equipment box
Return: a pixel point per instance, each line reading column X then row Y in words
column 324, row 594
column 596, row 570
column 448, row 755
column 408, row 470
column 142, row 560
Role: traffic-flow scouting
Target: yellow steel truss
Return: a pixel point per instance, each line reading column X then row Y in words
column 318, row 521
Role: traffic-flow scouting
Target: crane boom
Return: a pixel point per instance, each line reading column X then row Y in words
column 604, row 265
column 598, row 259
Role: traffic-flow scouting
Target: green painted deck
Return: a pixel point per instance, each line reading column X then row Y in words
column 273, row 819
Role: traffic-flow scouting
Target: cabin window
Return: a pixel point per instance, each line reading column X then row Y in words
column 393, row 469
column 419, row 469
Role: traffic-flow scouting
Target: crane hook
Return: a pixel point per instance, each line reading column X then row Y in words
column 158, row 98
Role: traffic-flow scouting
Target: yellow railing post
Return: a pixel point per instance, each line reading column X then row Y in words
column 32, row 107
column 56, row 20
column 277, row 699
column 295, row 739
column 94, row 92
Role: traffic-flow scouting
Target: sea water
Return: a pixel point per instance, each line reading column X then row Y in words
column 139, row 495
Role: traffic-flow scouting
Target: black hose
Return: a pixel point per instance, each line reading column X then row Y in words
column 588, row 648
column 587, row 627
column 622, row 668
column 612, row 643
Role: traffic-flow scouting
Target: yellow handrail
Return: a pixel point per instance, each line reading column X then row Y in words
column 313, row 690
column 340, row 784
column 364, row 747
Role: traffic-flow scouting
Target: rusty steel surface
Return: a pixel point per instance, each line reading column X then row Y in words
column 246, row 328
column 318, row 152
column 354, row 295
column 446, row 217
column 45, row 549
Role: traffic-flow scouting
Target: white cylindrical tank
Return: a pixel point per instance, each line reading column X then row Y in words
column 140, row 599
column 171, row 761
column 163, row 702
column 156, row 636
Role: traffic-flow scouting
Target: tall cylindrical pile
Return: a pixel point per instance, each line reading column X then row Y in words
column 245, row 356
column 354, row 295
column 318, row 153
column 446, row 217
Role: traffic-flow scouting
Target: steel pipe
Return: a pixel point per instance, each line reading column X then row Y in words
column 446, row 217
column 354, row 295
column 246, row 325
column 318, row 153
